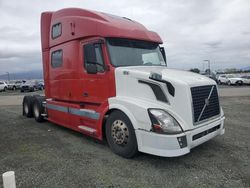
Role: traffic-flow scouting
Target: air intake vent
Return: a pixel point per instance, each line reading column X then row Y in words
column 204, row 133
column 205, row 102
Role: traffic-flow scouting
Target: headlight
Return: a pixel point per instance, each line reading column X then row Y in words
column 163, row 122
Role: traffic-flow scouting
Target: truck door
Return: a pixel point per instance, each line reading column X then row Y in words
column 95, row 77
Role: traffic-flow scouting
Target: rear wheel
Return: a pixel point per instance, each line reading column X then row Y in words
column 27, row 106
column 121, row 135
column 38, row 108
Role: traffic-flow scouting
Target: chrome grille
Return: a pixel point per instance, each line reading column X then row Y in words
column 205, row 102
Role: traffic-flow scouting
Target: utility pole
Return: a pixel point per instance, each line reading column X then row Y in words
column 8, row 76
column 208, row 61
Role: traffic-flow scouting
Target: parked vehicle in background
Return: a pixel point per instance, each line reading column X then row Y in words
column 15, row 84
column 246, row 79
column 39, row 85
column 28, row 86
column 3, row 86
column 230, row 79
column 211, row 76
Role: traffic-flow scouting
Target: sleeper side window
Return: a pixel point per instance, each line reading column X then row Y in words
column 56, row 30
column 57, row 58
column 93, row 55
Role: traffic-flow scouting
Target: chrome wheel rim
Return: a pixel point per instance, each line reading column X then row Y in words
column 120, row 133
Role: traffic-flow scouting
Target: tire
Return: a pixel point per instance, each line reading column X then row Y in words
column 5, row 89
column 31, row 90
column 120, row 135
column 28, row 106
column 219, row 82
column 38, row 108
column 21, row 91
column 239, row 83
column 229, row 83
column 14, row 88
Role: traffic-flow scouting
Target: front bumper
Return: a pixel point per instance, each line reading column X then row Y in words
column 169, row 145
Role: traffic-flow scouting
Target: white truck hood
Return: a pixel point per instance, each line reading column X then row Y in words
column 180, row 105
column 171, row 75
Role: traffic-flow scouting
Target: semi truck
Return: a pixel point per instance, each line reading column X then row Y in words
column 106, row 77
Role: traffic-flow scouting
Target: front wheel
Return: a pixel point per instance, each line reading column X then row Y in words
column 121, row 135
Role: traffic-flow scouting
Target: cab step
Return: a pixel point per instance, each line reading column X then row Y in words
column 88, row 129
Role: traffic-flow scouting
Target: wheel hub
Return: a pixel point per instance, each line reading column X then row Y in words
column 120, row 132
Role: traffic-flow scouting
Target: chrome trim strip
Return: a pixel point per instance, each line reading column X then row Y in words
column 57, row 107
column 85, row 113
column 75, row 111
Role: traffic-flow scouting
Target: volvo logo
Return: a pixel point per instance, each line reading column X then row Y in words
column 207, row 101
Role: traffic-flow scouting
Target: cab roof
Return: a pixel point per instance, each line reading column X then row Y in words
column 78, row 23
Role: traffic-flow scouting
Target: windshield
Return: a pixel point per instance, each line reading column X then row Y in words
column 126, row 52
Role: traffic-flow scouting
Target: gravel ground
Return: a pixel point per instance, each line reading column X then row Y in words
column 47, row 155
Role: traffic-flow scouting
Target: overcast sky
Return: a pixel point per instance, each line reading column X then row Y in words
column 192, row 30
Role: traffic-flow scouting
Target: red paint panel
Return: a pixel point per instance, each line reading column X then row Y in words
column 81, row 23
column 45, row 29
column 72, row 121
column 64, row 81
column 61, row 118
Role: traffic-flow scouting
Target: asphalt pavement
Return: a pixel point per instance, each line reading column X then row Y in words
column 47, row 155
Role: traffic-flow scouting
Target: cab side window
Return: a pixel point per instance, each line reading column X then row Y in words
column 56, row 30
column 93, row 55
column 57, row 58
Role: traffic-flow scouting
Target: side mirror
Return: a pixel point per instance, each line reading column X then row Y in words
column 91, row 68
column 163, row 54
